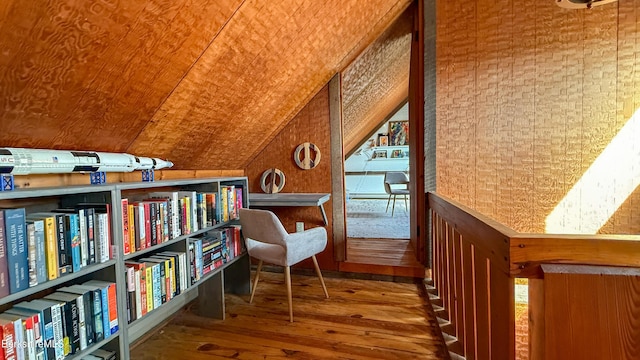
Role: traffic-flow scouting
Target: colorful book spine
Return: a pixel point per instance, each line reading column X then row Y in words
column 31, row 254
column 17, row 257
column 83, row 238
column 4, row 266
column 41, row 255
column 126, row 247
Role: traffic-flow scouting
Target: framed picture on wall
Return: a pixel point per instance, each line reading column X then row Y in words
column 380, row 154
column 399, row 133
column 383, row 140
column 397, row 154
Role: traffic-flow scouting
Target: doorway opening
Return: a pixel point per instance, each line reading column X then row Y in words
column 377, row 181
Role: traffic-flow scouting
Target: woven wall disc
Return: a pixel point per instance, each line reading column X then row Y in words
column 272, row 181
column 307, row 156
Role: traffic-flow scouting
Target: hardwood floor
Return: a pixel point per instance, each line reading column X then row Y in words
column 362, row 319
column 393, row 257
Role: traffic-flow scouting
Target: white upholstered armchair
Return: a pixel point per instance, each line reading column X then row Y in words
column 268, row 241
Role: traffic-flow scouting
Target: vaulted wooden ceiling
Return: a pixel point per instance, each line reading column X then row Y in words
column 377, row 82
column 204, row 83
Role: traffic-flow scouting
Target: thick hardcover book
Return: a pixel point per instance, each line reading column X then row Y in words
column 41, row 255
column 140, row 287
column 125, row 226
column 32, row 322
column 163, row 280
column 102, row 229
column 149, row 286
column 8, row 337
column 95, row 304
column 31, row 254
column 131, row 293
column 85, row 305
column 132, row 228
column 71, row 320
column 62, row 345
column 51, row 243
column 112, row 303
column 19, row 334
column 91, row 240
column 72, row 241
column 174, row 273
column 83, row 236
column 17, row 257
column 183, row 281
column 153, row 213
column 103, row 354
column 4, row 266
column 156, row 293
column 101, row 299
column 46, row 325
column 173, row 210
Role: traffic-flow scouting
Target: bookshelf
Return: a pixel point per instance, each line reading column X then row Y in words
column 233, row 276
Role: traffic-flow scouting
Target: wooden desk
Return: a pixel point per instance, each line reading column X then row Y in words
column 290, row 199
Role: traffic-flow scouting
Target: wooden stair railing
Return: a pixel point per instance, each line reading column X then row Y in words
column 475, row 262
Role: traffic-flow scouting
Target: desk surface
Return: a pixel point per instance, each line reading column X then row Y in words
column 288, row 199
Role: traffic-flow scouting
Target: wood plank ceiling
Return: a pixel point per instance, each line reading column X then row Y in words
column 204, row 83
column 377, row 82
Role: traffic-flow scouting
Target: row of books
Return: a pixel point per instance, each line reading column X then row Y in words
column 42, row 246
column 62, row 323
column 162, row 216
column 154, row 280
column 212, row 250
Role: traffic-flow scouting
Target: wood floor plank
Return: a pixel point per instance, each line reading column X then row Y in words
column 362, row 319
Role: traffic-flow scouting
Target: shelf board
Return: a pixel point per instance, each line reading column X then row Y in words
column 93, row 347
column 159, row 314
column 52, row 283
column 163, row 183
column 54, row 191
column 173, row 241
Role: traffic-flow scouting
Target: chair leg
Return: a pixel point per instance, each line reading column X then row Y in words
column 405, row 203
column 388, row 201
column 255, row 281
column 315, row 263
column 394, row 205
column 287, row 279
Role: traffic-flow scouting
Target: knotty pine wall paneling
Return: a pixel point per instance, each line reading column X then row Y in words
column 311, row 124
column 527, row 99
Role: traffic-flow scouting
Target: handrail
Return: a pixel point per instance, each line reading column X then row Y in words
column 475, row 262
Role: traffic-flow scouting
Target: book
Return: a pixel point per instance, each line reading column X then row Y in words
column 61, row 340
column 72, row 241
column 32, row 323
column 91, row 240
column 71, row 320
column 62, row 250
column 84, row 238
column 173, row 210
column 19, row 335
column 4, row 266
column 102, row 292
column 8, row 338
column 45, row 309
column 41, row 256
column 112, row 303
column 31, row 254
column 17, row 257
column 126, row 248
column 85, row 312
column 95, row 296
column 103, row 354
column 51, row 243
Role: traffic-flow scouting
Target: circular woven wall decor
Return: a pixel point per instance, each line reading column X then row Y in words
column 303, row 157
column 272, row 181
